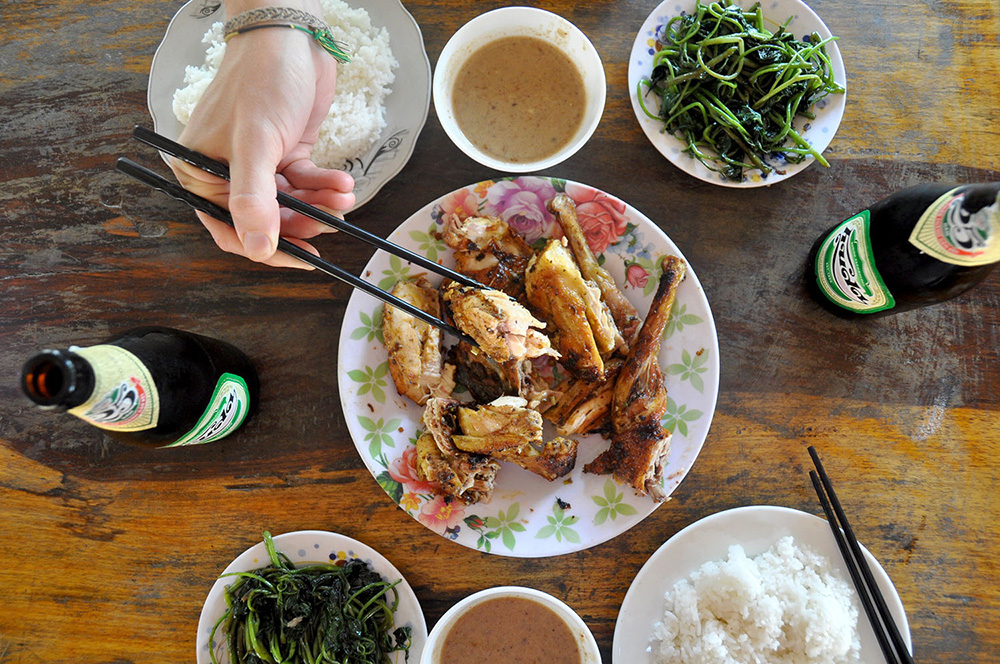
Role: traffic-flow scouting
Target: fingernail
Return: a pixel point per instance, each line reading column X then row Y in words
column 257, row 245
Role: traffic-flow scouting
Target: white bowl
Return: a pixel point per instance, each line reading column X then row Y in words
column 590, row 654
column 520, row 22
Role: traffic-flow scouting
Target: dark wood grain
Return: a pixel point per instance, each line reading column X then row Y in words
column 110, row 550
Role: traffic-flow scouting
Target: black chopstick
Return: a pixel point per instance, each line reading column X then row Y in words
column 889, row 638
column 217, row 168
column 174, row 190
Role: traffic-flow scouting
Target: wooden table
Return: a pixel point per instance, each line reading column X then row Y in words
column 109, row 551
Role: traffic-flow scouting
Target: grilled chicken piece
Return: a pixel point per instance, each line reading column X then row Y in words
column 414, row 346
column 583, row 330
column 468, row 477
column 487, row 250
column 555, row 459
column 507, row 429
column 624, row 314
column 499, row 425
column 506, row 332
column 582, row 408
column 639, row 443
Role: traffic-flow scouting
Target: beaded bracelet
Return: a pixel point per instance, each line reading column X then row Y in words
column 286, row 17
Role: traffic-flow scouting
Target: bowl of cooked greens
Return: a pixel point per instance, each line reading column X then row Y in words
column 310, row 596
column 735, row 93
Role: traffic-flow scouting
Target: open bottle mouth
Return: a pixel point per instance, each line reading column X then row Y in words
column 49, row 379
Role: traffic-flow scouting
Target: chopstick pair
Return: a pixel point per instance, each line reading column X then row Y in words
column 209, row 165
column 886, row 632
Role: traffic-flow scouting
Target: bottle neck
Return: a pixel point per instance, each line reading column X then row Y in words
column 57, row 379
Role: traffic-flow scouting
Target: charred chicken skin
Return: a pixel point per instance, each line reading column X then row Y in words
column 639, row 443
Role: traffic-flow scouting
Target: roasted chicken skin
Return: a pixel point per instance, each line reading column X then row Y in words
column 415, row 360
column 624, row 314
column 487, row 250
column 582, row 328
column 639, row 443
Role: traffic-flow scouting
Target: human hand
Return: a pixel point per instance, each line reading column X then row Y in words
column 261, row 114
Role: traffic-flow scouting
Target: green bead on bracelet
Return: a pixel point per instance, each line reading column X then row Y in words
column 286, row 17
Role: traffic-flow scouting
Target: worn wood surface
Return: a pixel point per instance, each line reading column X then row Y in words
column 109, row 551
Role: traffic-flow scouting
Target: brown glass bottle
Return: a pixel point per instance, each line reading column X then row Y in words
column 920, row 246
column 150, row 386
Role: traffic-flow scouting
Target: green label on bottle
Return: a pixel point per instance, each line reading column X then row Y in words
column 845, row 268
column 951, row 234
column 226, row 411
column 124, row 396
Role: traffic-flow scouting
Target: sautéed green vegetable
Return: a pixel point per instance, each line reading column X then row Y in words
column 727, row 85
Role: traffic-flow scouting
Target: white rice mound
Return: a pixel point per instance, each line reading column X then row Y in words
column 785, row 606
column 357, row 115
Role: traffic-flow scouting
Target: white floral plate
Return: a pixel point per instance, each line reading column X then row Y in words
column 528, row 516
column 756, row 528
column 406, row 106
column 310, row 546
column 818, row 132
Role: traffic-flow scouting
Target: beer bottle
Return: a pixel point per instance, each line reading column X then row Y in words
column 151, row 386
column 920, row 246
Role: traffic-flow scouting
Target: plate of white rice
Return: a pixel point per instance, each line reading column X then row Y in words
column 757, row 584
column 382, row 96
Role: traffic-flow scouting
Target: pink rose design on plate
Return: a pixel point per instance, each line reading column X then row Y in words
column 441, row 513
column 404, row 471
column 463, row 202
column 602, row 217
column 636, row 275
column 522, row 204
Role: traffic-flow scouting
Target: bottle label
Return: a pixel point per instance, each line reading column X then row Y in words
column 950, row 233
column 124, row 396
column 845, row 268
column 226, row 411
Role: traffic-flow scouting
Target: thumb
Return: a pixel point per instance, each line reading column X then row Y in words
column 252, row 200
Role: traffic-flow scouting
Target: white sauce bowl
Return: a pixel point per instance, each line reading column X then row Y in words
column 520, row 22
column 589, row 652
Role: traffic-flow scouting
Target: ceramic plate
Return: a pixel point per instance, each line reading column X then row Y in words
column 311, row 546
column 756, row 528
column 818, row 132
column 405, row 107
column 528, row 516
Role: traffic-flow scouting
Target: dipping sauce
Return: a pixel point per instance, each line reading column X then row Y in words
column 519, row 99
column 510, row 630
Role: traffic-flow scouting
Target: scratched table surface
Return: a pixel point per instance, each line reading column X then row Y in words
column 109, row 550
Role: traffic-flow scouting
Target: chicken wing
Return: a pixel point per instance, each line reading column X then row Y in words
column 487, row 250
column 639, row 443
column 624, row 314
column 583, row 330
column 414, row 347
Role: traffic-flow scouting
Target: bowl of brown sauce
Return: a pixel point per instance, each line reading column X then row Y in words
column 519, row 89
column 510, row 625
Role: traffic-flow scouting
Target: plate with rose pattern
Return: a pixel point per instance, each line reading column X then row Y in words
column 528, row 516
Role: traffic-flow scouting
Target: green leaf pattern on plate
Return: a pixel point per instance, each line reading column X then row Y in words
column 371, row 326
column 560, row 526
column 611, row 504
column 371, row 380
